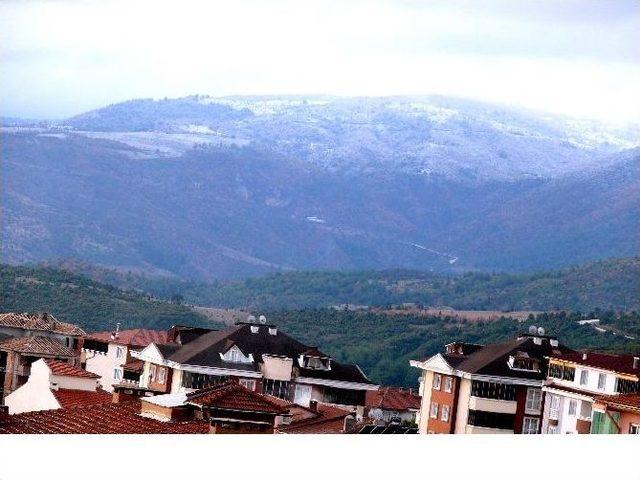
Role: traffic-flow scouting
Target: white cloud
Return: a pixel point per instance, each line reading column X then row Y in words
column 61, row 57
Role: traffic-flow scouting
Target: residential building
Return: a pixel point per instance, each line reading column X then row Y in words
column 616, row 414
column 25, row 338
column 574, row 382
column 108, row 354
column 52, row 385
column 395, row 405
column 495, row 388
column 262, row 358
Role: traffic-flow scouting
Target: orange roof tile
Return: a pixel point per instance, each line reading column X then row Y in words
column 41, row 321
column 233, row 396
column 40, row 346
column 67, row 370
column 78, row 398
column 138, row 337
column 118, row 418
column 392, row 398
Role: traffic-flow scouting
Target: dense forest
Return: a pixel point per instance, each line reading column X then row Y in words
column 381, row 342
column 92, row 305
column 607, row 284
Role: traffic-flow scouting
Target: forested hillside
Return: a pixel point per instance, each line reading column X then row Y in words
column 92, row 305
column 608, row 284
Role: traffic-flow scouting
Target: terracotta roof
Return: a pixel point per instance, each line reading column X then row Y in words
column 628, row 400
column 134, row 366
column 120, row 418
column 605, row 361
column 39, row 321
column 40, row 346
column 392, row 398
column 138, row 337
column 65, row 369
column 233, row 396
column 329, row 419
column 68, row 398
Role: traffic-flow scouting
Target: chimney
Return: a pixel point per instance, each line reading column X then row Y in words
column 636, row 363
column 313, row 405
column 273, row 331
column 584, row 355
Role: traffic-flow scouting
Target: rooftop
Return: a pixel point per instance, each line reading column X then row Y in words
column 393, row 398
column 138, row 337
column 67, row 370
column 233, row 396
column 112, row 418
column 605, row 361
column 39, row 321
column 68, row 398
column 627, row 401
column 37, row 346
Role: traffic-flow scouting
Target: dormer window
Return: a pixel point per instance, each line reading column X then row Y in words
column 255, row 328
column 315, row 363
column 235, row 355
column 522, row 361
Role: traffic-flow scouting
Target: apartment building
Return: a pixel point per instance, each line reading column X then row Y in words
column 25, row 338
column 262, row 359
column 477, row 389
column 616, row 414
column 575, row 382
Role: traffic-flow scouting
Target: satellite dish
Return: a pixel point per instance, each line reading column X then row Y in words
column 540, row 331
column 251, row 318
column 262, row 319
column 533, row 329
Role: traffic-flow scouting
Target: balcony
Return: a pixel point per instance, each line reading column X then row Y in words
column 492, row 405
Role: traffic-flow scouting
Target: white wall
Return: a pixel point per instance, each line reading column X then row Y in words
column 35, row 394
column 103, row 365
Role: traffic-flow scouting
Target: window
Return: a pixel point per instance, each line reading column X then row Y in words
column 497, row 391
column 340, row 396
column 119, row 352
column 162, row 374
column 280, row 389
column 584, row 377
column 444, row 416
column 249, row 384
column 152, row 373
column 573, row 407
column 448, row 384
column 602, row 381
column 627, row 386
column 434, row 410
column 117, row 374
column 197, row 381
column 534, row 399
column 234, row 355
column 585, row 410
column 437, row 380
column 480, row 418
column 569, row 373
column 552, row 429
column 634, row 429
column 530, row 425
column 562, row 372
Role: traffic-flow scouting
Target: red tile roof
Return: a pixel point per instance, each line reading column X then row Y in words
column 605, row 361
column 134, row 366
column 121, row 418
column 329, row 419
column 67, row 370
column 138, row 337
column 233, row 396
column 392, row 398
column 627, row 401
column 40, row 346
column 41, row 321
column 81, row 398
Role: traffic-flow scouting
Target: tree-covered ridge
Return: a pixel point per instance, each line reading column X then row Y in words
column 383, row 344
column 92, row 305
column 612, row 284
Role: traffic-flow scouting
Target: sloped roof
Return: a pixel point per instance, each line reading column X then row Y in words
column 325, row 419
column 605, row 361
column 118, row 418
column 343, row 372
column 69, row 398
column 39, row 321
column 627, row 401
column 39, row 346
column 233, row 396
column 137, row 337
column 134, row 366
column 65, row 369
column 492, row 359
column 393, row 398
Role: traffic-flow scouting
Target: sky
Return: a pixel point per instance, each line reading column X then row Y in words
column 573, row 57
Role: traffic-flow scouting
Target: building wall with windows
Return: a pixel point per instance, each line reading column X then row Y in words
column 442, row 408
column 106, row 364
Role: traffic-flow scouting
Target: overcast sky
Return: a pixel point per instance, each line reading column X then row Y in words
column 581, row 58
